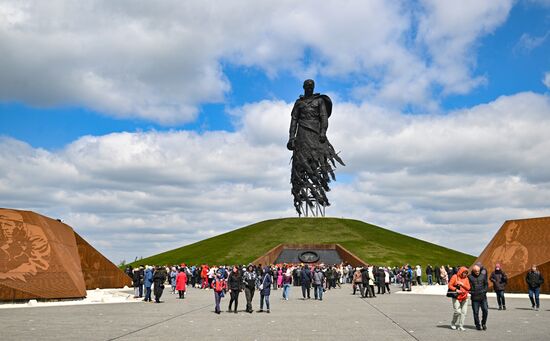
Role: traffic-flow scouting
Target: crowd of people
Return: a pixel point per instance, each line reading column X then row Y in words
column 463, row 285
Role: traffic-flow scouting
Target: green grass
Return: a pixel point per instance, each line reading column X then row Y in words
column 371, row 243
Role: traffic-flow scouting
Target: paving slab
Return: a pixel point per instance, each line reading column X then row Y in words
column 340, row 315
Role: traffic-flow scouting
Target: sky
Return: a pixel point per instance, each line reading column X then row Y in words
column 151, row 125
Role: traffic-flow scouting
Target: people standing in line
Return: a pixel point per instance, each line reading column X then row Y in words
column 318, row 280
column 265, row 289
column 234, row 284
column 461, row 285
column 534, row 280
column 218, row 285
column 181, row 283
column 478, row 292
column 249, row 281
column 499, row 280
column 148, row 283
column 287, row 282
column 429, row 274
column 159, row 277
column 305, row 279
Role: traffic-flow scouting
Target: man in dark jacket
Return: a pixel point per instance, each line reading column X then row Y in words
column 159, row 277
column 429, row 274
column 478, row 292
column 249, row 281
column 499, row 280
column 437, row 274
column 365, row 288
column 305, row 280
column 534, row 280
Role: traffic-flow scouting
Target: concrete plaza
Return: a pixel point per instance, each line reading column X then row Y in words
column 340, row 316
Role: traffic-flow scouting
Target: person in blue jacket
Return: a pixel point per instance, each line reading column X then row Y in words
column 265, row 289
column 147, row 283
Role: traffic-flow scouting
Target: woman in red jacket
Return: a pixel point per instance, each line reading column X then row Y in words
column 460, row 283
column 181, row 282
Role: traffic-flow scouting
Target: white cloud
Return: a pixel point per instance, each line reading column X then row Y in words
column 527, row 43
column 546, row 79
column 160, row 61
column 451, row 179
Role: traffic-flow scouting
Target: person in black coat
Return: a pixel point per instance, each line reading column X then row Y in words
column 499, row 280
column 305, row 280
column 159, row 277
column 234, row 284
column 534, row 280
column 478, row 291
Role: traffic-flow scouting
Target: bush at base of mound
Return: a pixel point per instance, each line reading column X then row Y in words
column 371, row 243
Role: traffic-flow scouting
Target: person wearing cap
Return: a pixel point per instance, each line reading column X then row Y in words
column 287, row 282
column 499, row 280
column 459, row 282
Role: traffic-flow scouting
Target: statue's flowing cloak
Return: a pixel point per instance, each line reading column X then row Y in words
column 313, row 161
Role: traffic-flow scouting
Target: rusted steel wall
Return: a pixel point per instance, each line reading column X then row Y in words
column 38, row 258
column 98, row 271
column 516, row 246
column 42, row 258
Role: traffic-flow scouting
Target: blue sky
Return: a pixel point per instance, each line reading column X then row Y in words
column 92, row 110
column 501, row 57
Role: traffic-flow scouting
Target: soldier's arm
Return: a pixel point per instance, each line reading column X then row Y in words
column 293, row 127
column 324, row 121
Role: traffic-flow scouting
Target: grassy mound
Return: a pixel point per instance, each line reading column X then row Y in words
column 371, row 243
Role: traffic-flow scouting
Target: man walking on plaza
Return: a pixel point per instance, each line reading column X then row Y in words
column 534, row 280
column 499, row 280
column 478, row 291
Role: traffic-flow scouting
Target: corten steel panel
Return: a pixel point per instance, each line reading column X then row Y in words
column 518, row 284
column 98, row 271
column 516, row 246
column 38, row 258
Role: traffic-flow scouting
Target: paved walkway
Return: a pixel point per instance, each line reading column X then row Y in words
column 339, row 316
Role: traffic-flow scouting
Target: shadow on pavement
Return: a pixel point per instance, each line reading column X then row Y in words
column 448, row 326
column 524, row 308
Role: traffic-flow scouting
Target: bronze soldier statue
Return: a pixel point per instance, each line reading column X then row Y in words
column 313, row 157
